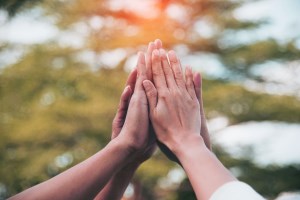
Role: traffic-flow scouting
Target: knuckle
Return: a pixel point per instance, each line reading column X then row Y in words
column 156, row 72
column 117, row 123
column 163, row 95
column 178, row 77
column 178, row 74
column 189, row 83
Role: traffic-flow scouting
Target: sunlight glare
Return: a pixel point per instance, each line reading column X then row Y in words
column 145, row 8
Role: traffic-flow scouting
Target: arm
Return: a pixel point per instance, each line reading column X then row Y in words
column 117, row 185
column 175, row 115
column 84, row 180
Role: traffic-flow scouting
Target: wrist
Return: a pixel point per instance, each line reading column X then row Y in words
column 125, row 147
column 187, row 146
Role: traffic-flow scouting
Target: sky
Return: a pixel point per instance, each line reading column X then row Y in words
column 282, row 14
column 273, row 142
column 270, row 142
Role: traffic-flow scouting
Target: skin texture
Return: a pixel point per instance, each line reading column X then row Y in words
column 132, row 143
column 171, row 91
column 86, row 179
column 117, row 185
column 119, row 182
column 175, row 116
column 197, row 81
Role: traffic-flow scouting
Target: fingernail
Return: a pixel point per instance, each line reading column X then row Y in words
column 150, row 44
column 155, row 52
column 127, row 88
column 162, row 52
column 172, row 55
column 146, row 84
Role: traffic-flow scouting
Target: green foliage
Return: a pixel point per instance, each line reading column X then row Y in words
column 241, row 105
column 14, row 6
column 55, row 111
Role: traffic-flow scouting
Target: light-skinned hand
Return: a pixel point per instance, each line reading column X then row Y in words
column 174, row 107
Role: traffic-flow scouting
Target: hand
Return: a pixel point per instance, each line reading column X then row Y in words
column 120, row 117
column 204, row 130
column 134, row 132
column 117, row 184
column 174, row 108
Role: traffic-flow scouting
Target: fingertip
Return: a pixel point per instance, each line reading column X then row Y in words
column 147, row 84
column 155, row 53
column 141, row 57
column 191, row 72
column 141, row 54
column 187, row 69
column 129, row 90
column 197, row 79
column 134, row 70
column 162, row 53
column 172, row 56
column 151, row 46
column 126, row 94
column 158, row 43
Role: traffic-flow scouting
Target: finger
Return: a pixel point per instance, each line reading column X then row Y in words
column 151, row 94
column 122, row 111
column 157, row 71
column 197, row 84
column 167, row 69
column 204, row 130
column 150, row 49
column 189, row 82
column 176, row 67
column 132, row 78
column 158, row 43
column 141, row 72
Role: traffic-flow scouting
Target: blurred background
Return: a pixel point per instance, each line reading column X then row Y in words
column 63, row 65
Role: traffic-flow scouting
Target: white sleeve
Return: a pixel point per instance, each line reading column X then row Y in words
column 235, row 190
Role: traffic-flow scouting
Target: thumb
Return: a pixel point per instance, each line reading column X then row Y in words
column 151, row 93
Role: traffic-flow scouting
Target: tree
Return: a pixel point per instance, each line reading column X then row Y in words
column 56, row 109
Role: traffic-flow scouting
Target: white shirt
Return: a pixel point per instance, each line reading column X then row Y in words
column 235, row 190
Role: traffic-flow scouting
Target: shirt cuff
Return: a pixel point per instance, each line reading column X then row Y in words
column 235, row 190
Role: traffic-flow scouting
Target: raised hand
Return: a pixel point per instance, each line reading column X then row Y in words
column 86, row 179
column 174, row 108
column 198, row 89
column 204, row 130
column 120, row 117
column 135, row 129
column 115, row 188
column 175, row 115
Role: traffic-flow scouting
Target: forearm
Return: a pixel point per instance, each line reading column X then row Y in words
column 117, row 185
column 205, row 172
column 84, row 180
